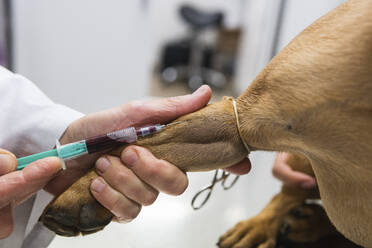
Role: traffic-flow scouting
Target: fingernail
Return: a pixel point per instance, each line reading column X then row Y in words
column 98, row 185
column 130, row 157
column 308, row 185
column 6, row 163
column 102, row 164
column 200, row 90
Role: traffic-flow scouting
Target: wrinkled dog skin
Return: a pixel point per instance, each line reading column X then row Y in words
column 313, row 99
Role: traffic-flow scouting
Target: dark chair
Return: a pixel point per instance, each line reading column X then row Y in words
column 195, row 71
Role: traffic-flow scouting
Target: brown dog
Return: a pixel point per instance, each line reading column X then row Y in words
column 313, row 99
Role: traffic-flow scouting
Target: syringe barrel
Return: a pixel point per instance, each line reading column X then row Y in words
column 92, row 145
column 110, row 140
column 120, row 137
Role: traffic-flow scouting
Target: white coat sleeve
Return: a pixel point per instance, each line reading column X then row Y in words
column 29, row 121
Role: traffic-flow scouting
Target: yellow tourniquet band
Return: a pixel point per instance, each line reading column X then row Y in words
column 238, row 125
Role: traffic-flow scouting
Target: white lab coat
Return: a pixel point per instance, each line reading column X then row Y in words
column 29, row 123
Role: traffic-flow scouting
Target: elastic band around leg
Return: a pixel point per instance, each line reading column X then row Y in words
column 238, row 125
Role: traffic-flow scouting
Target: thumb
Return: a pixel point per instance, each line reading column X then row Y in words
column 8, row 162
column 6, row 221
column 167, row 109
column 17, row 186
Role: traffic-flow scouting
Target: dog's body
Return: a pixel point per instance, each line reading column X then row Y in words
column 313, row 99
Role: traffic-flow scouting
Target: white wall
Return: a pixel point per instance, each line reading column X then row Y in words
column 301, row 13
column 259, row 24
column 87, row 54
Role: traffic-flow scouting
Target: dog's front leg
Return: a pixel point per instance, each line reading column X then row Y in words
column 204, row 140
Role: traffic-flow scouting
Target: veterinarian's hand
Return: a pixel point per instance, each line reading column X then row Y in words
column 17, row 186
column 283, row 172
column 127, row 183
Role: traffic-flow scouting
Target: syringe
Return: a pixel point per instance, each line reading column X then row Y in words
column 91, row 145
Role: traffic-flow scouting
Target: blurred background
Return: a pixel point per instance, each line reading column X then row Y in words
column 78, row 51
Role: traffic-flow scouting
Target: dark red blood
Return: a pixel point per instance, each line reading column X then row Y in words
column 101, row 143
column 139, row 133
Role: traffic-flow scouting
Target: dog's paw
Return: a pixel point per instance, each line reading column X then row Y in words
column 306, row 223
column 257, row 232
column 75, row 211
column 308, row 226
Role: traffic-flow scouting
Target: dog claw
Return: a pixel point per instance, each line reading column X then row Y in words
column 90, row 220
column 285, row 229
column 69, row 215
